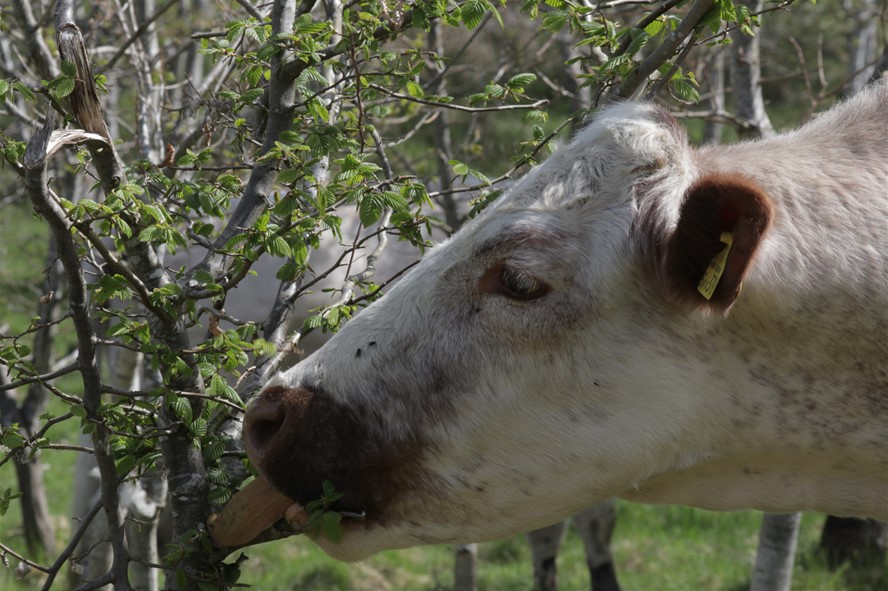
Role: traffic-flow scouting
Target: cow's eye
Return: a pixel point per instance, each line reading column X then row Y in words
column 512, row 282
column 520, row 285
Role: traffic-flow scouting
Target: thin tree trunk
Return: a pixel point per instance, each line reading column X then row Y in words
column 776, row 552
column 146, row 504
column 38, row 528
column 443, row 140
column 714, row 128
column 746, row 74
column 544, row 545
column 465, row 568
column 863, row 44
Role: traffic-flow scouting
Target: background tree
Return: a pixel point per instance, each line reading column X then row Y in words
column 248, row 136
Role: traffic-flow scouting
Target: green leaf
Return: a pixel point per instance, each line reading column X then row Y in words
column 472, row 12
column 369, row 209
column 125, row 464
column 458, row 167
column 289, row 271
column 685, row 89
column 213, row 450
column 534, row 116
column 555, row 20
column 312, row 322
column 654, row 27
column 278, row 246
column 11, row 438
column 414, row 89
column 182, row 409
column 5, row 498
column 24, row 91
column 318, row 110
column 69, row 68
column 198, row 427
column 521, row 80
column 251, row 96
column 394, row 201
column 639, row 40
column 289, row 175
column 330, row 524
column 205, row 368
column 123, row 227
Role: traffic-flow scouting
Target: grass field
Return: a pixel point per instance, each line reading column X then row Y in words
column 655, row 548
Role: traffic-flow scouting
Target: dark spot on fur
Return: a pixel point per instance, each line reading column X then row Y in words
column 358, row 353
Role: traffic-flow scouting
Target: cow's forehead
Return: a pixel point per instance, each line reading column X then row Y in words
column 596, row 165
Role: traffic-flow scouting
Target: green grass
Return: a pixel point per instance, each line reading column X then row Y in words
column 23, row 244
column 655, row 548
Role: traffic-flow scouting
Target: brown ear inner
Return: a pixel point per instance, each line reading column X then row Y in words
column 716, row 203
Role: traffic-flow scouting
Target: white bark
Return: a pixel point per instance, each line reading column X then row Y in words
column 465, row 568
column 776, row 552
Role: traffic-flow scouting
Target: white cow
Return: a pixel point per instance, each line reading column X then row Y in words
column 560, row 350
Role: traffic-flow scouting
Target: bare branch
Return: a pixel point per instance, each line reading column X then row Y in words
column 138, row 33
column 41, row 378
column 455, row 107
column 7, row 550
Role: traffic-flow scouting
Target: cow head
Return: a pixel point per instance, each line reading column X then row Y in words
column 495, row 388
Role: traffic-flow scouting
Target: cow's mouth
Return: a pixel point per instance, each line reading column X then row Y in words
column 312, row 453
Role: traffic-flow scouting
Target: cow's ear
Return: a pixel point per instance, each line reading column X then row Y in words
column 721, row 224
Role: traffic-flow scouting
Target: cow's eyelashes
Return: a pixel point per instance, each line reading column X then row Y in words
column 521, row 285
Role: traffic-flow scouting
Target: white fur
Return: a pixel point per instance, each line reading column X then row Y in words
column 603, row 387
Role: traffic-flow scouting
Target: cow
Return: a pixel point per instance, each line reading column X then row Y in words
column 637, row 318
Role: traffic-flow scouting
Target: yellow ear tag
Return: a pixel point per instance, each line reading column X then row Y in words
column 716, row 268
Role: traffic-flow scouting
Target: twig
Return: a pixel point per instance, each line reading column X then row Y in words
column 382, row 285
column 518, row 164
column 41, row 378
column 455, row 107
column 456, row 57
column 137, row 33
column 251, row 10
column 7, row 550
column 196, row 395
column 734, row 27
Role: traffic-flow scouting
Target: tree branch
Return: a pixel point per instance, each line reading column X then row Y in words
column 455, row 107
column 136, row 34
column 34, row 162
column 665, row 50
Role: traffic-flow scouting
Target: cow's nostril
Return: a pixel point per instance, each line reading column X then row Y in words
column 263, row 421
